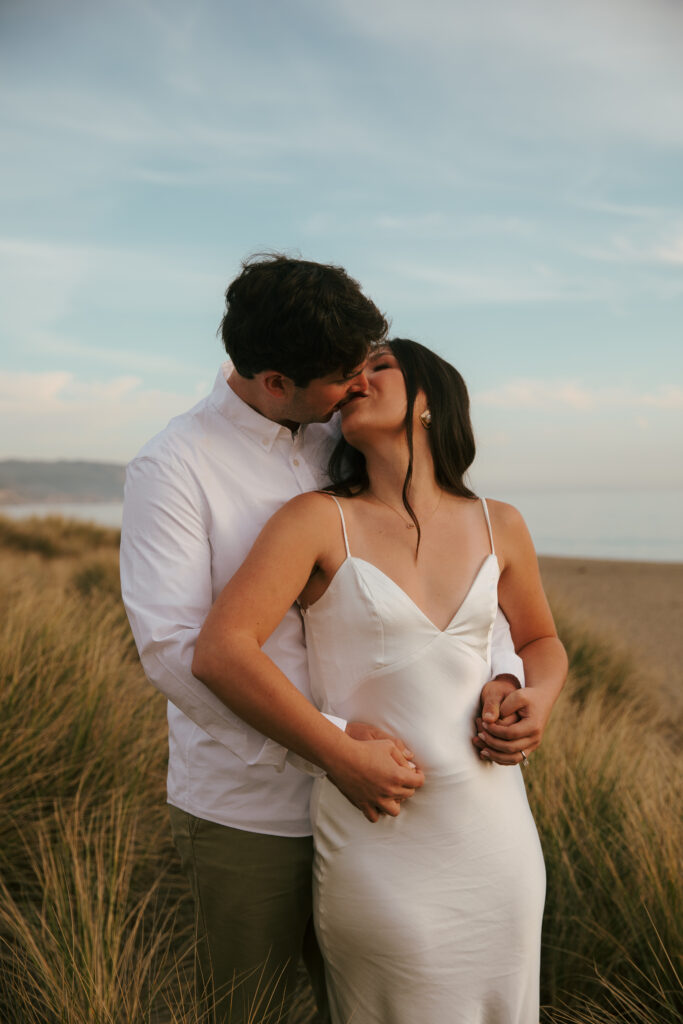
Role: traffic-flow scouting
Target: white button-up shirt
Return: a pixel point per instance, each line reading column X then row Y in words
column 196, row 497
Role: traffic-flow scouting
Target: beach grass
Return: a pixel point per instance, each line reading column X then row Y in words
column 95, row 919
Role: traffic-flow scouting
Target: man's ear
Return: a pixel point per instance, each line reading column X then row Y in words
column 277, row 386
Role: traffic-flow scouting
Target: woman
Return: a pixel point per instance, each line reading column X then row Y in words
column 432, row 914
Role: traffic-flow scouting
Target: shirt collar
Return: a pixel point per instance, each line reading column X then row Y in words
column 264, row 431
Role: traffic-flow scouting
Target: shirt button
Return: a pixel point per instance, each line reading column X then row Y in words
column 295, row 461
column 264, row 440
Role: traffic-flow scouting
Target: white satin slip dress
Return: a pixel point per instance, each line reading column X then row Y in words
column 433, row 917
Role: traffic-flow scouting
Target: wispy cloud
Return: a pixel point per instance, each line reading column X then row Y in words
column 37, row 283
column 657, row 246
column 600, row 67
column 629, row 211
column 506, row 285
column 554, row 394
column 52, row 414
column 418, row 224
column 61, row 390
column 43, row 284
column 670, row 252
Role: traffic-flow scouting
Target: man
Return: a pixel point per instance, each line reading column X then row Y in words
column 197, row 495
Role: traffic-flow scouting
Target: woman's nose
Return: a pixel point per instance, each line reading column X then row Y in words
column 359, row 385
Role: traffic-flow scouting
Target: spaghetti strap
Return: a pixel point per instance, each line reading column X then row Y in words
column 488, row 523
column 343, row 524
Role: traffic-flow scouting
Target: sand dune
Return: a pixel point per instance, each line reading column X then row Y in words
column 637, row 606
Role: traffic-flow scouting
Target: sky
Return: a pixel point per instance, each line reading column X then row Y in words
column 505, row 179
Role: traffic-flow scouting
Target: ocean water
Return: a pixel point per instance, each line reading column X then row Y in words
column 637, row 525
column 102, row 513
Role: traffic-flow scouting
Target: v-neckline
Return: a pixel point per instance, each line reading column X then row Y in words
column 415, row 605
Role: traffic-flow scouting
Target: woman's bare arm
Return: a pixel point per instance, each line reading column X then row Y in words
column 522, row 598
column 373, row 774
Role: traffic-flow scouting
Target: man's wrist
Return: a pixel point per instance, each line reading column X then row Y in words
column 508, row 677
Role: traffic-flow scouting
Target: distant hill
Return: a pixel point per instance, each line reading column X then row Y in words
column 28, row 482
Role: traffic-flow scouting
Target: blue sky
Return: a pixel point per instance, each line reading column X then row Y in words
column 504, row 178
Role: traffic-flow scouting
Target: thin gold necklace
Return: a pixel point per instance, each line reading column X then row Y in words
column 410, row 525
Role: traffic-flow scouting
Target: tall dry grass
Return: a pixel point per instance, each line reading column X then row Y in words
column 606, row 793
column 95, row 922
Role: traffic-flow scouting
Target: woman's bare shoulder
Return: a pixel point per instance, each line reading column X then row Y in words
column 506, row 519
column 311, row 501
column 311, row 508
column 303, row 524
column 503, row 511
column 511, row 535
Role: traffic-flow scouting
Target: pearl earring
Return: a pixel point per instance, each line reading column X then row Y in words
column 426, row 419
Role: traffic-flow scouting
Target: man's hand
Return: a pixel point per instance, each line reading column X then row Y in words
column 493, row 695
column 377, row 773
column 519, row 726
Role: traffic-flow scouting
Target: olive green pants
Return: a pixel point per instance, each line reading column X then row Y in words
column 252, row 897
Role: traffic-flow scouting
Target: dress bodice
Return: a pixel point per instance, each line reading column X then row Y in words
column 375, row 656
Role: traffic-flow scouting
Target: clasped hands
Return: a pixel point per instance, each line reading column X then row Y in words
column 511, row 723
column 381, row 773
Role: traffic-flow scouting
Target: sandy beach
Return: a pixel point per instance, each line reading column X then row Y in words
column 636, row 606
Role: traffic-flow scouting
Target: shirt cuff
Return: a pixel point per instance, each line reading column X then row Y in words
column 276, row 756
column 341, row 723
column 510, row 665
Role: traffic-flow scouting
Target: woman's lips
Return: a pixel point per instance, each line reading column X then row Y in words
column 349, row 401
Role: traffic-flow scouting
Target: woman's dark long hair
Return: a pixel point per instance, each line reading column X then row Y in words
column 451, row 438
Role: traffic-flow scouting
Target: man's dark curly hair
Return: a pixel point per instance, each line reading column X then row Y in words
column 304, row 320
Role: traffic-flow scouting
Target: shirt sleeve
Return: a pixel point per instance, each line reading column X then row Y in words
column 504, row 660
column 167, row 592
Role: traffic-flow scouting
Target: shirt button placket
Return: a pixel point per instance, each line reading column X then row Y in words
column 298, row 464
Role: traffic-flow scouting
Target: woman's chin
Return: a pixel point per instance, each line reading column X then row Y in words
column 353, row 433
column 349, row 417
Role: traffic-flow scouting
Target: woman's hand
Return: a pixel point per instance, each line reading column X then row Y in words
column 509, row 736
column 493, row 695
column 375, row 775
column 522, row 720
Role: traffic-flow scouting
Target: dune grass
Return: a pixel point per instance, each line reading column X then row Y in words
column 95, row 921
column 606, row 794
